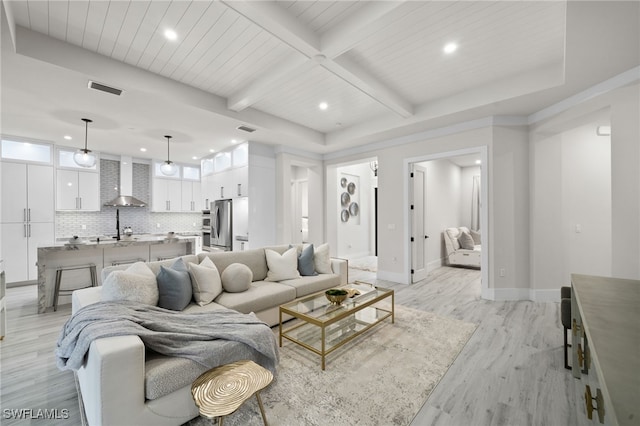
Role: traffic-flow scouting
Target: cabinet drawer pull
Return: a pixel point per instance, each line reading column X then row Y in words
column 575, row 327
column 28, row 215
column 599, row 407
column 239, row 190
column 580, row 353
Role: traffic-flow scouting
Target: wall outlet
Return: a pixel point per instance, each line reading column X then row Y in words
column 84, row 226
column 194, row 224
column 391, row 226
column 157, row 225
column 503, row 272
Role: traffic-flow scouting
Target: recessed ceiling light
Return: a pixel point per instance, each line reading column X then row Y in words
column 450, row 48
column 212, row 150
column 194, row 157
column 170, row 34
column 478, row 162
column 67, row 137
column 234, row 141
column 143, row 149
column 323, row 105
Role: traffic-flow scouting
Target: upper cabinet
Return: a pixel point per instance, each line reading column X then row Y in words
column 77, row 188
column 178, row 193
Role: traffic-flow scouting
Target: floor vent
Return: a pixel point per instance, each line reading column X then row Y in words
column 246, row 129
column 104, row 88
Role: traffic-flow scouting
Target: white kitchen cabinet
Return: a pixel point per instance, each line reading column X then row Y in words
column 191, row 196
column 76, row 190
column 20, row 243
column 223, row 185
column 240, row 184
column 30, row 189
column 28, row 220
column 166, row 195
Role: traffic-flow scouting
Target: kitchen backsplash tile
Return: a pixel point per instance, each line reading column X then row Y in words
column 140, row 219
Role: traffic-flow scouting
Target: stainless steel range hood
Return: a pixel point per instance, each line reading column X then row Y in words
column 125, row 199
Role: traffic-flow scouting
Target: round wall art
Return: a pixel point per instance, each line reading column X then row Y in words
column 345, row 199
column 343, row 182
column 351, row 188
column 344, row 215
column 354, row 209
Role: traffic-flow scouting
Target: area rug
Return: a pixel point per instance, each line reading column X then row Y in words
column 381, row 378
column 368, row 263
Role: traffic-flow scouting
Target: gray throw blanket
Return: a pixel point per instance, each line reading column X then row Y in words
column 195, row 336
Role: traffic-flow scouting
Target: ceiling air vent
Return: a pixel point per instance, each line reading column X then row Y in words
column 246, row 128
column 104, row 88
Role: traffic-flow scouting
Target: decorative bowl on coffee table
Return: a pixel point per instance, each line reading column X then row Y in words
column 336, row 295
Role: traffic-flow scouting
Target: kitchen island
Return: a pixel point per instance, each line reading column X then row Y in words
column 100, row 252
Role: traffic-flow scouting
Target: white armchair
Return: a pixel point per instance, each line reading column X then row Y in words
column 462, row 246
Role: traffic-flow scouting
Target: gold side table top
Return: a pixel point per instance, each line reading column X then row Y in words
column 222, row 390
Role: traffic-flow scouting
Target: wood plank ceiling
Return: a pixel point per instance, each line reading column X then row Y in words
column 367, row 60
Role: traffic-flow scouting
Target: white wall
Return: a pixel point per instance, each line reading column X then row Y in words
column 466, row 191
column 285, row 171
column 442, row 207
column 577, row 179
column 354, row 237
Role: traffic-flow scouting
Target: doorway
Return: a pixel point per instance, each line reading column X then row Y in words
column 435, row 202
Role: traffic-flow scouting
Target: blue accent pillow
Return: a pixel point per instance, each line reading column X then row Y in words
column 174, row 286
column 306, row 265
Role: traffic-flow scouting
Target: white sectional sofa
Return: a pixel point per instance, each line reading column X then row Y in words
column 123, row 384
column 469, row 254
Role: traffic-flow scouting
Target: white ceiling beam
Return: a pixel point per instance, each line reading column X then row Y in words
column 275, row 77
column 130, row 78
column 277, row 21
column 7, row 13
column 359, row 78
column 357, row 27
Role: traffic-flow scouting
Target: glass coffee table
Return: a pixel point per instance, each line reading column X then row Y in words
column 323, row 327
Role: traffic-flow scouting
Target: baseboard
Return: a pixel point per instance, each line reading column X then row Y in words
column 545, row 296
column 392, row 276
column 435, row 264
column 510, row 294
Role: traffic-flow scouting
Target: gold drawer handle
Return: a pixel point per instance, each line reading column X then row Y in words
column 580, row 354
column 588, row 399
column 575, row 327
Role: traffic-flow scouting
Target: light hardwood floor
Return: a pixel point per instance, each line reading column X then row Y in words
column 509, row 373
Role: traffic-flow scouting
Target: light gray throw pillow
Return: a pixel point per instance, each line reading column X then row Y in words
column 466, row 241
column 136, row 284
column 322, row 259
column 205, row 281
column 236, row 278
column 174, row 286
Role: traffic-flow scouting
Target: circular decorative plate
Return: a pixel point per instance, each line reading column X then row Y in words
column 343, row 182
column 351, row 188
column 354, row 209
column 344, row 215
column 345, row 199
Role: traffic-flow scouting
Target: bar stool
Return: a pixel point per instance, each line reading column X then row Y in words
column 61, row 269
column 565, row 316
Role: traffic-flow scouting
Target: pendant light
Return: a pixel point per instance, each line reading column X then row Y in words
column 84, row 157
column 168, row 168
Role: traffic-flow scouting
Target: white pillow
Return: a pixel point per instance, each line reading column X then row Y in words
column 282, row 267
column 205, row 280
column 136, row 284
column 322, row 259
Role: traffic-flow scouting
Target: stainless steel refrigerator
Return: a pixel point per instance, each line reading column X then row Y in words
column 221, row 226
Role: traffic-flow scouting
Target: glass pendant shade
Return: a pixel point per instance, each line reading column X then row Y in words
column 168, row 168
column 84, row 157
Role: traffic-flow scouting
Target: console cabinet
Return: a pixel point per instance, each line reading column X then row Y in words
column 605, row 327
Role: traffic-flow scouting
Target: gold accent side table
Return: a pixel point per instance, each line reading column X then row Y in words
column 222, row 390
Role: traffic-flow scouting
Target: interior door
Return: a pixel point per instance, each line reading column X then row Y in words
column 418, row 235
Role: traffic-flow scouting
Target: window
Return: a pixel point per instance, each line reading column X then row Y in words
column 34, row 152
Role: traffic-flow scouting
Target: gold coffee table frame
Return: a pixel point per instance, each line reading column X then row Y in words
column 324, row 327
